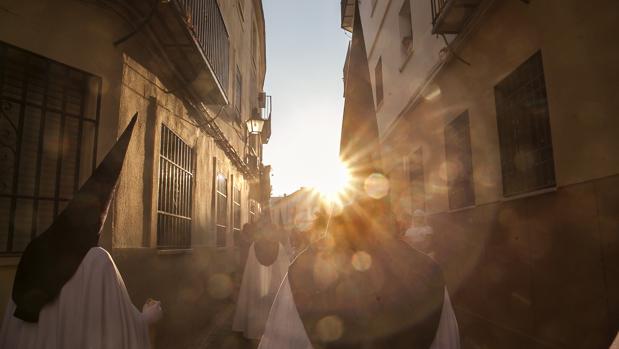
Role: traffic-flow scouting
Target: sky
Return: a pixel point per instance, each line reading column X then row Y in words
column 305, row 54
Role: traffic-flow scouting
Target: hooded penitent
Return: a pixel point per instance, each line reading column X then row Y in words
column 51, row 259
column 359, row 145
column 361, row 287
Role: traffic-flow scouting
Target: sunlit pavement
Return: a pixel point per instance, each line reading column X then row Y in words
column 221, row 336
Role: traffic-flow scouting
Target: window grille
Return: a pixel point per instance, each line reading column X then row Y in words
column 240, row 5
column 406, row 28
column 416, row 179
column 49, row 116
column 459, row 160
column 253, row 210
column 236, row 214
column 222, row 209
column 175, row 204
column 378, row 77
column 254, row 44
column 238, row 92
column 527, row 160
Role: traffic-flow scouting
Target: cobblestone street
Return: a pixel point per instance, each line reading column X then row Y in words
column 221, row 336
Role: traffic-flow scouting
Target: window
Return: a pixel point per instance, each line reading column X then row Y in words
column 221, row 221
column 49, row 117
column 240, row 4
column 175, row 203
column 527, row 161
column 238, row 93
column 236, row 214
column 459, row 163
column 416, row 180
column 406, row 28
column 253, row 210
column 254, row 44
column 378, row 77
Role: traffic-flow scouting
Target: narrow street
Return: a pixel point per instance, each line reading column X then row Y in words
column 222, row 336
column 188, row 174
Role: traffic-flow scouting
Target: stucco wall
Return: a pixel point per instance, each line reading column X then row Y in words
column 534, row 272
column 138, row 187
column 77, row 34
column 81, row 34
column 581, row 96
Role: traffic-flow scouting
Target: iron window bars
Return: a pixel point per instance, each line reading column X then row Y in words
column 417, row 180
column 378, row 78
column 49, row 121
column 459, row 162
column 175, row 204
column 523, row 121
column 221, row 221
column 236, row 214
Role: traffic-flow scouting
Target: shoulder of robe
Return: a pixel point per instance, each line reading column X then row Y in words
column 390, row 296
column 98, row 256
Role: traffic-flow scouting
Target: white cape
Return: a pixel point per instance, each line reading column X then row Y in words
column 92, row 311
column 258, row 290
column 284, row 328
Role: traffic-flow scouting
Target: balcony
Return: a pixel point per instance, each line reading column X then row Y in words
column 348, row 14
column 450, row 16
column 253, row 162
column 189, row 36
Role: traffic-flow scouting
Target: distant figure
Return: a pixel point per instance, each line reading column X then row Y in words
column 67, row 291
column 246, row 238
column 420, row 235
column 266, row 266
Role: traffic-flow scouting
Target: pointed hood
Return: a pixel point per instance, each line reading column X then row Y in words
column 359, row 144
column 51, row 259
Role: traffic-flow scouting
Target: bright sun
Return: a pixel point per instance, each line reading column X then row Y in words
column 334, row 182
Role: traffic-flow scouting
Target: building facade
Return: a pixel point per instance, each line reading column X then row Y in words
column 297, row 211
column 498, row 118
column 72, row 74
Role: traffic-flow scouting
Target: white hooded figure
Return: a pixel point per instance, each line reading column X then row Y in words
column 420, row 235
column 266, row 266
column 93, row 310
column 67, row 292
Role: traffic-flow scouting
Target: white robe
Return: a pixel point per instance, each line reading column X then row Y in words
column 93, row 311
column 258, row 290
column 284, row 328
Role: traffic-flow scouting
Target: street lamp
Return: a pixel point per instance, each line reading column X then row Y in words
column 255, row 124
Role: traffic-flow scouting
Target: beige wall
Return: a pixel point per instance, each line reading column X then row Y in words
column 49, row 28
column 141, row 91
column 241, row 55
column 403, row 74
column 580, row 87
column 527, row 272
column 81, row 35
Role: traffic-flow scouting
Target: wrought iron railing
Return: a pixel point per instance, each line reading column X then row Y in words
column 437, row 8
column 206, row 21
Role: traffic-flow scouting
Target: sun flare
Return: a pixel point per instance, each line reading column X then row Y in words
column 333, row 185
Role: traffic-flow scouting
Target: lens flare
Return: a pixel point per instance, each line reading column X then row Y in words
column 334, row 184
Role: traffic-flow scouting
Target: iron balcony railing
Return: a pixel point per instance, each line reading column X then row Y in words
column 437, row 8
column 348, row 13
column 207, row 23
column 450, row 16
